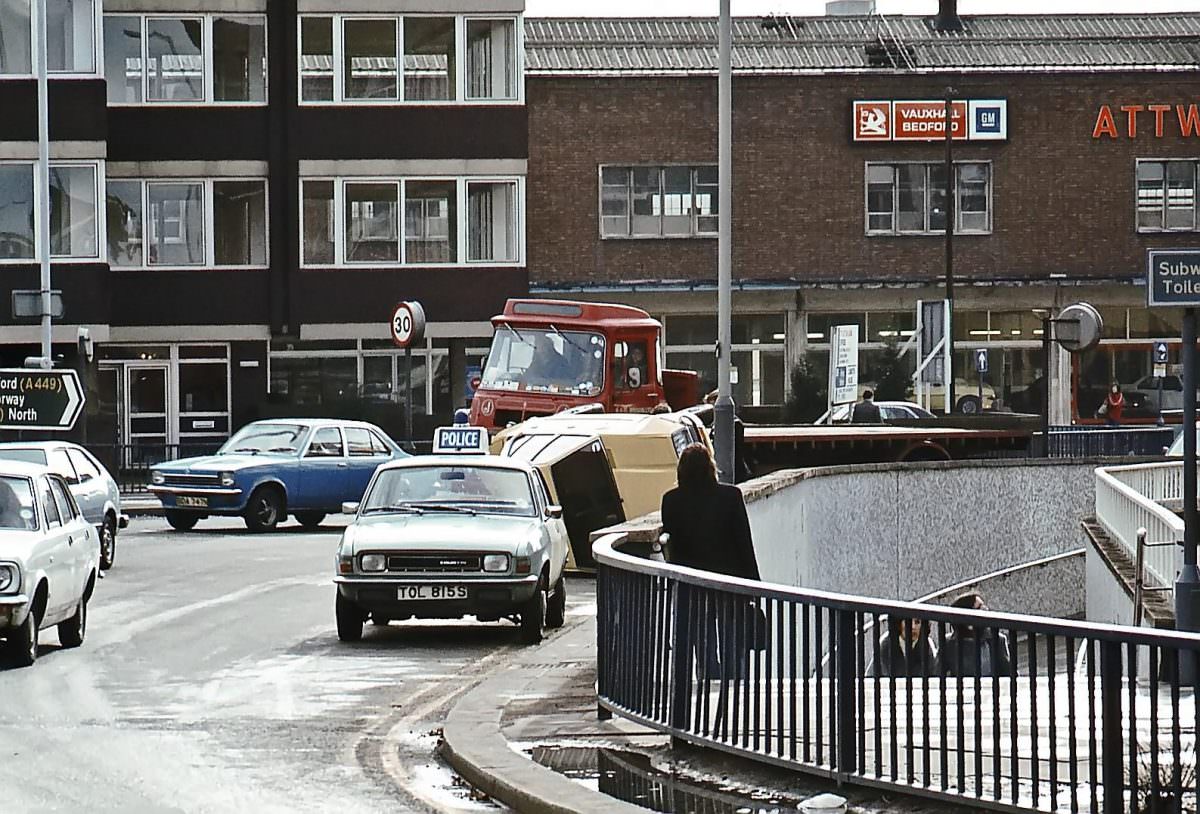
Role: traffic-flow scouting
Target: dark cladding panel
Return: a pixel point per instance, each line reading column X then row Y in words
column 190, row 298
column 77, row 110
column 402, row 132
column 187, row 133
column 85, row 288
column 248, row 378
column 448, row 295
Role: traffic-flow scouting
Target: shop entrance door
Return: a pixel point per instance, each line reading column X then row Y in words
column 147, row 411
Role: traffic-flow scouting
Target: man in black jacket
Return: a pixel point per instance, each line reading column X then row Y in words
column 866, row 411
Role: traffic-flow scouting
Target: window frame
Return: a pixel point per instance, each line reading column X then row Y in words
column 693, row 233
column 206, row 44
column 460, row 60
column 461, row 216
column 956, row 190
column 1164, row 189
column 99, row 188
column 209, row 224
column 97, row 49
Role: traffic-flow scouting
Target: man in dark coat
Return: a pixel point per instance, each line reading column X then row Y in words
column 968, row 649
column 866, row 411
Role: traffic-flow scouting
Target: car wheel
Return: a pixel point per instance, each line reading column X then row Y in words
column 533, row 616
column 556, row 608
column 310, row 520
column 349, row 619
column 22, row 644
column 969, row 405
column 181, row 521
column 108, row 542
column 72, row 631
column 264, row 509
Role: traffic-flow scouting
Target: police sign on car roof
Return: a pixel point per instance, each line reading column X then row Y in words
column 460, row 440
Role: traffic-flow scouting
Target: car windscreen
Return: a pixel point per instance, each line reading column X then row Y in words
column 29, row 456
column 478, row 488
column 543, row 360
column 264, row 438
column 16, row 504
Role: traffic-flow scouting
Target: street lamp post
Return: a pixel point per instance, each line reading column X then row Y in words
column 950, row 192
column 42, row 216
column 723, row 412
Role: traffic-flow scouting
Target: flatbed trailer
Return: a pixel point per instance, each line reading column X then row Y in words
column 768, row 448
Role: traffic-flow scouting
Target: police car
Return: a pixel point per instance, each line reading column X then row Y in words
column 453, row 534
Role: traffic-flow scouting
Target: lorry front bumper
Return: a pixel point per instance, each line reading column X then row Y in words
column 487, row 598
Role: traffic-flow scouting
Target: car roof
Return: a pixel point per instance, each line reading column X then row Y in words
column 466, row 460
column 21, row 469
column 37, row 444
column 315, row 422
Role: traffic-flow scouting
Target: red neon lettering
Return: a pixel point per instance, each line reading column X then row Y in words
column 1105, row 126
column 1189, row 122
column 1131, row 112
column 1159, row 110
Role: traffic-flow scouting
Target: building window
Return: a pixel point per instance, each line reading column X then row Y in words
column 757, row 353
column 910, row 198
column 75, row 226
column 414, row 58
column 655, row 201
column 1166, row 196
column 185, row 60
column 70, row 37
column 186, row 223
column 373, row 230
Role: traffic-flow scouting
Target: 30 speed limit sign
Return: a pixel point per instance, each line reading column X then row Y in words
column 408, row 324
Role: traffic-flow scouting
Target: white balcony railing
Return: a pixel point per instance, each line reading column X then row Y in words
column 1133, row 497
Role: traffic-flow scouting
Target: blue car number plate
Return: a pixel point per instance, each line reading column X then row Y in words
column 194, row 502
column 409, row 593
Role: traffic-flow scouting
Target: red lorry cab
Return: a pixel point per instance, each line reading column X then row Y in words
column 551, row 355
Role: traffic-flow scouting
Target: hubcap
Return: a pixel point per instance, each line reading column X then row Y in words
column 266, row 511
column 106, row 542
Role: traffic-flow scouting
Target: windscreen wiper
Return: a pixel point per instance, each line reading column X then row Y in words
column 448, row 507
column 401, row 508
column 569, row 341
column 515, row 333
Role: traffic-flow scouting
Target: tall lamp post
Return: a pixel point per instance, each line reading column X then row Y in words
column 950, row 194
column 723, row 412
column 42, row 216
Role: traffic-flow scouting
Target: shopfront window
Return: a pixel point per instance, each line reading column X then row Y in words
column 313, row 380
column 820, row 326
column 203, row 387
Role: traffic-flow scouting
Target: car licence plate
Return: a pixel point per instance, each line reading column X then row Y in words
column 195, row 502
column 408, row 593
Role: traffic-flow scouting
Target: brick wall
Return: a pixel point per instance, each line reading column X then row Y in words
column 1063, row 202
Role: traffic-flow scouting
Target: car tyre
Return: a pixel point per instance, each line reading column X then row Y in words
column 22, row 643
column 349, row 620
column 181, row 521
column 970, row 405
column 108, row 542
column 556, row 608
column 72, row 631
column 533, row 616
column 310, row 520
column 264, row 509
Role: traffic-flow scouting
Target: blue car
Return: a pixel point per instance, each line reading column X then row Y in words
column 303, row 467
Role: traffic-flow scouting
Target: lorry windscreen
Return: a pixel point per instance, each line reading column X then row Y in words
column 545, row 360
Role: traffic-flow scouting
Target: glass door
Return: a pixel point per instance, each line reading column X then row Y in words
column 147, row 407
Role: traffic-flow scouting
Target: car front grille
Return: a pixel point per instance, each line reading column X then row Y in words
column 190, row 479
column 435, row 563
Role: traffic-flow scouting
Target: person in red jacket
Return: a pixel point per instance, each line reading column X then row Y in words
column 1114, row 405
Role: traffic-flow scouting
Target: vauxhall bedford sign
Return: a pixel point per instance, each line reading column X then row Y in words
column 33, row 399
column 970, row 120
column 1174, row 277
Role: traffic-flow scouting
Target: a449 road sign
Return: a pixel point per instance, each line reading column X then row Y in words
column 33, row 399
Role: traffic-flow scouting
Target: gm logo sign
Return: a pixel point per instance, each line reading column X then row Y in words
column 988, row 120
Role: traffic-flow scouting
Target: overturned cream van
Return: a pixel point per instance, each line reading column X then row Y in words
column 602, row 468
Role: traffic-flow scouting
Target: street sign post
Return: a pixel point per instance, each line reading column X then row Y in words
column 32, row 399
column 1173, row 279
column 843, row 366
column 408, row 329
column 981, row 367
column 1160, row 373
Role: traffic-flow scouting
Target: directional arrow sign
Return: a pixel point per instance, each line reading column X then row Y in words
column 33, row 399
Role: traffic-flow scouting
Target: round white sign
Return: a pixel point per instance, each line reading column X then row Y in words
column 408, row 324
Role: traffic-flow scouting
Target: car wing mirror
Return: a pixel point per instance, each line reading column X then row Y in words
column 554, row 512
column 85, row 477
column 350, row 507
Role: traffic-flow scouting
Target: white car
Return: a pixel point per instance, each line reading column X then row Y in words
column 49, row 561
column 448, row 536
column 888, row 411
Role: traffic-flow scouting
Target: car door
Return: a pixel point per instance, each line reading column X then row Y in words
column 92, row 491
column 57, row 553
column 559, row 540
column 365, row 451
column 325, row 479
column 80, row 539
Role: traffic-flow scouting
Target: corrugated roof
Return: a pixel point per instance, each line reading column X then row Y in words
column 667, row 45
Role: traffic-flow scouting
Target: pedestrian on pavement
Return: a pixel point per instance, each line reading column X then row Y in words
column 1114, row 405
column 968, row 649
column 905, row 651
column 866, row 411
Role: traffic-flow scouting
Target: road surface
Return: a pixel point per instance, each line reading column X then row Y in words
column 211, row 679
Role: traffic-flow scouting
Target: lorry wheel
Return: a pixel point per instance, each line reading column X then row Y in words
column 556, row 608
column 533, row 617
column 264, row 509
column 181, row 521
column 349, row 620
column 969, row 405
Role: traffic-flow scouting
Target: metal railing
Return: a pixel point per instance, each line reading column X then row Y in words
column 1013, row 713
column 130, row 464
column 1091, row 442
column 1132, row 497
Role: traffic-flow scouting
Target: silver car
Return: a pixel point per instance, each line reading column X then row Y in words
column 93, row 488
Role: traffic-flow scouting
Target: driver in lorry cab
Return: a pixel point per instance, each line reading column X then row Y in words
column 548, row 366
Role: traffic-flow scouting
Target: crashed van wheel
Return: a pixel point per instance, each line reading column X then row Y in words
column 533, row 617
column 556, row 608
column 349, row 620
column 22, row 644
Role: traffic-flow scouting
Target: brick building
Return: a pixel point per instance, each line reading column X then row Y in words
column 1084, row 159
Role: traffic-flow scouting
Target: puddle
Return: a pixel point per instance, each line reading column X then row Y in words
column 630, row 776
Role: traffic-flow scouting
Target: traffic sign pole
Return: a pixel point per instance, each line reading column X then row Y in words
column 1187, row 584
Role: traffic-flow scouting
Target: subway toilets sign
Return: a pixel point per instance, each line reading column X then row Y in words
column 925, row 120
column 1174, row 277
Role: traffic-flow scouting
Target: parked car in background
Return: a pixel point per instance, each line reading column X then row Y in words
column 966, row 397
column 49, row 561
column 94, row 489
column 888, row 411
column 305, row 467
column 1172, row 391
column 447, row 536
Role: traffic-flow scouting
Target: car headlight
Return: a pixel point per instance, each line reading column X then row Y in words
column 227, row 479
column 373, row 562
column 10, row 579
column 495, row 562
column 157, row 477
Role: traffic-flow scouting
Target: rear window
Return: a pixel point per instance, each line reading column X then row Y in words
column 16, row 504
column 29, row 456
